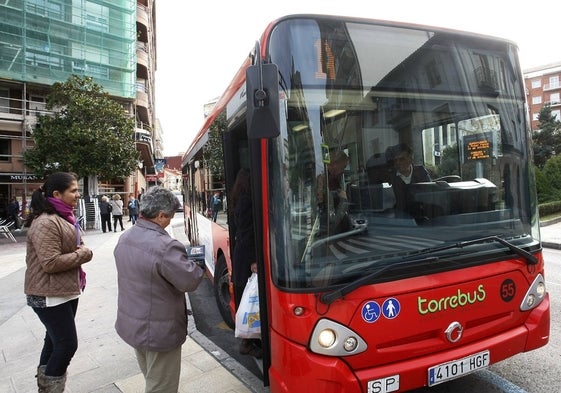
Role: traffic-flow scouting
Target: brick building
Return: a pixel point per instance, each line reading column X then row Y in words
column 543, row 86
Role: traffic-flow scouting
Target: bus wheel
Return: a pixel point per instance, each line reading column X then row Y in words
column 222, row 291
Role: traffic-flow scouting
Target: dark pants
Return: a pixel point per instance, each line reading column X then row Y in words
column 120, row 220
column 106, row 222
column 133, row 218
column 14, row 217
column 61, row 340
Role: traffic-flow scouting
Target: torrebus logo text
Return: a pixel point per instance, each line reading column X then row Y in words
column 457, row 300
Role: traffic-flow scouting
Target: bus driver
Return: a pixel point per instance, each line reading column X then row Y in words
column 404, row 172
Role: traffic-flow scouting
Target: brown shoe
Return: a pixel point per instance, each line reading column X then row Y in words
column 246, row 346
column 256, row 352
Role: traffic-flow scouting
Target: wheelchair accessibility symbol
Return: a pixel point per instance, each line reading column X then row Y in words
column 371, row 312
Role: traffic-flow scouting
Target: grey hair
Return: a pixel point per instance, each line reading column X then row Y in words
column 158, row 199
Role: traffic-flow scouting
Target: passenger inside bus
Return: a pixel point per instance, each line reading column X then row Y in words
column 332, row 197
column 404, row 173
column 244, row 261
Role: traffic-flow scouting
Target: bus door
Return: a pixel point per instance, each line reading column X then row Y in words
column 243, row 153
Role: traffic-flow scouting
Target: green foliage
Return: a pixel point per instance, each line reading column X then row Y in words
column 213, row 152
column 547, row 140
column 88, row 133
column 549, row 208
column 548, row 180
column 448, row 161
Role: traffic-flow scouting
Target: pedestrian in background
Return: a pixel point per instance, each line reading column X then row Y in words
column 133, row 209
column 105, row 213
column 54, row 278
column 117, row 211
column 13, row 212
column 216, row 204
column 153, row 274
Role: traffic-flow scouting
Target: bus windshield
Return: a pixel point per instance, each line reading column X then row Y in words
column 395, row 142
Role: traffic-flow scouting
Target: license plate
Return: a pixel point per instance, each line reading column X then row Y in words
column 456, row 368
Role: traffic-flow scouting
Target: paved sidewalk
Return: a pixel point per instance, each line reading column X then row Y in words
column 103, row 362
column 551, row 233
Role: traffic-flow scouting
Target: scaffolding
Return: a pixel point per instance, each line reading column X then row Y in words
column 45, row 42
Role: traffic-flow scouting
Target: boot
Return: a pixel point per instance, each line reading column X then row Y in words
column 40, row 372
column 245, row 346
column 50, row 384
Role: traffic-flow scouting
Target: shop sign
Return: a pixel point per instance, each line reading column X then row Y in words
column 19, row 178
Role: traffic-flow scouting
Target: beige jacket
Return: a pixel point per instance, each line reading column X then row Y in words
column 53, row 258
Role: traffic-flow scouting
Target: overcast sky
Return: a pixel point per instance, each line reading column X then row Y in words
column 200, row 48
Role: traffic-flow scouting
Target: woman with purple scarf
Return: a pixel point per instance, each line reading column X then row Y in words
column 54, row 278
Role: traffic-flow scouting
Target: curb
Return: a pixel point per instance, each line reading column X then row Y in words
column 246, row 377
column 550, row 222
column 551, row 245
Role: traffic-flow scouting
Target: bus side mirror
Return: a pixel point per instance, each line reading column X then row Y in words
column 262, row 87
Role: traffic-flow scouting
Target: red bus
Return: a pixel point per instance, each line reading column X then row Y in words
column 419, row 259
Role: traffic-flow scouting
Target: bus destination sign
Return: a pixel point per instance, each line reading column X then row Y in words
column 477, row 147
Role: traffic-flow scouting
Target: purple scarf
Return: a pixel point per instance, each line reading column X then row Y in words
column 63, row 209
column 67, row 212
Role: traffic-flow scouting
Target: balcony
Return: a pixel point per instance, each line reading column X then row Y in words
column 144, row 144
column 142, row 14
column 553, row 104
column 13, row 117
column 142, row 60
column 551, row 86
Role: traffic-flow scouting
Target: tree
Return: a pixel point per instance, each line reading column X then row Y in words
column 548, row 180
column 88, row 133
column 213, row 153
column 547, row 140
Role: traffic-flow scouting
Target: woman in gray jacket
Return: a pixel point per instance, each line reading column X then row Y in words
column 153, row 274
column 117, row 211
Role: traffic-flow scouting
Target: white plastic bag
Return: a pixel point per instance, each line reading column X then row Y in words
column 248, row 323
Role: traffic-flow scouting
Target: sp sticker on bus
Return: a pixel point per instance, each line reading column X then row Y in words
column 384, row 385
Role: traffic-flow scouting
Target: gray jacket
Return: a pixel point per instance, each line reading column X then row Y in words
column 153, row 274
column 117, row 206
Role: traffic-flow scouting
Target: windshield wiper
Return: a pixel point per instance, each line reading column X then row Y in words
column 530, row 259
column 330, row 297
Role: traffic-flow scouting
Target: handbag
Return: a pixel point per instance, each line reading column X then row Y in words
column 248, row 323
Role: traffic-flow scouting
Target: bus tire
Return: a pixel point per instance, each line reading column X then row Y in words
column 222, row 291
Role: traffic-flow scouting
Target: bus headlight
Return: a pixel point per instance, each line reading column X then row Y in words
column 535, row 294
column 326, row 338
column 333, row 339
